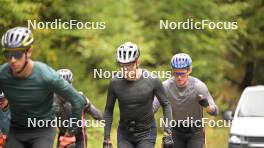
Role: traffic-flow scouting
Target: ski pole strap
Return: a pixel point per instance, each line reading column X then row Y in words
column 83, row 130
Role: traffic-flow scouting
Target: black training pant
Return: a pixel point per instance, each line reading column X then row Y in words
column 143, row 139
column 190, row 138
column 31, row 138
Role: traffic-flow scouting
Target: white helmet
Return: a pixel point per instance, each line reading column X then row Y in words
column 66, row 74
column 18, row 37
column 2, row 95
column 127, row 53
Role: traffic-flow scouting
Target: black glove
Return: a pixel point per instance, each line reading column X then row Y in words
column 203, row 101
column 167, row 142
column 107, row 144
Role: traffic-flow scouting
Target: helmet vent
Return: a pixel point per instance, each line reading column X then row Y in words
column 134, row 54
column 11, row 38
column 16, row 37
column 124, row 56
column 23, row 37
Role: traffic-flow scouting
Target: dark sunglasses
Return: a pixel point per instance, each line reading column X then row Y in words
column 180, row 73
column 16, row 54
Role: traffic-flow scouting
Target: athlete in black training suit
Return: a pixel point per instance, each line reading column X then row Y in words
column 63, row 111
column 134, row 92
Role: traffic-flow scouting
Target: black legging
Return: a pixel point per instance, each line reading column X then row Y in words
column 144, row 139
column 31, row 138
column 192, row 138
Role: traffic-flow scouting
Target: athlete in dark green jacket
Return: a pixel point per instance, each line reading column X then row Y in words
column 30, row 87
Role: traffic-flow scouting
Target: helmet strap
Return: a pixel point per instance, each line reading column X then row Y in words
column 189, row 70
column 137, row 66
column 5, row 107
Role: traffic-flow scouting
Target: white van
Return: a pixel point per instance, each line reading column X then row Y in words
column 247, row 130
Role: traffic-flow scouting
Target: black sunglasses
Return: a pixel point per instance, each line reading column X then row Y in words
column 16, row 54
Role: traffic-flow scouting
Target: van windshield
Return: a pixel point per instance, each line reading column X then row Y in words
column 253, row 105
